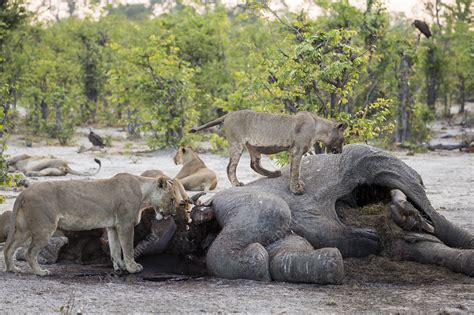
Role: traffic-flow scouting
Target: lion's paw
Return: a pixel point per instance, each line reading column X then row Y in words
column 42, row 272
column 134, row 268
column 298, row 188
column 119, row 266
column 14, row 269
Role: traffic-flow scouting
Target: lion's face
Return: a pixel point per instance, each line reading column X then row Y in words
column 336, row 139
column 178, row 157
column 183, row 155
column 164, row 198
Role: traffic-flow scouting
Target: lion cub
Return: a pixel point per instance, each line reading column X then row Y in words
column 76, row 205
column 264, row 133
column 194, row 175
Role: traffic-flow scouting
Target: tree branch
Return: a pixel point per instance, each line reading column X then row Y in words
column 291, row 27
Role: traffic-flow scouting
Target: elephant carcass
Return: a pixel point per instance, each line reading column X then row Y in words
column 262, row 231
column 261, row 218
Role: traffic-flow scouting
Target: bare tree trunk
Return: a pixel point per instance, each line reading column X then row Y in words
column 446, row 105
column 57, row 109
column 332, row 106
column 132, row 126
column 403, row 99
column 44, row 110
column 431, row 79
column 462, row 93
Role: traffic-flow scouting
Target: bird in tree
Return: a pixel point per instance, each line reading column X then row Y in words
column 423, row 28
column 95, row 139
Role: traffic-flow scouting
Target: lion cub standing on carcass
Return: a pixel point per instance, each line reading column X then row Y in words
column 264, row 133
column 76, row 205
column 194, row 175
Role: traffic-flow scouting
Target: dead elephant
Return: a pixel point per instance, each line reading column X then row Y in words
column 262, row 231
column 274, row 231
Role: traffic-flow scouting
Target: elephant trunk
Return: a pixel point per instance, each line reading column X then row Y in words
column 446, row 231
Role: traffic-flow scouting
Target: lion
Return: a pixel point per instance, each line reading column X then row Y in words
column 76, row 205
column 185, row 204
column 4, row 225
column 264, row 133
column 44, row 166
column 194, row 175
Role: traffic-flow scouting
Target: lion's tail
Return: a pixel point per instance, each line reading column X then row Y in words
column 73, row 172
column 215, row 122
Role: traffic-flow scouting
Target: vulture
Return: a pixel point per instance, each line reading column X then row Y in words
column 423, row 28
column 95, row 139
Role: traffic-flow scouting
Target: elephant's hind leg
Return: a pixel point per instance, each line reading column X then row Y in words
column 293, row 259
column 238, row 252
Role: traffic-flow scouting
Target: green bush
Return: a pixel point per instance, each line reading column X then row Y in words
column 63, row 133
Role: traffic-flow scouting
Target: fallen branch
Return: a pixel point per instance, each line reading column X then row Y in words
column 449, row 147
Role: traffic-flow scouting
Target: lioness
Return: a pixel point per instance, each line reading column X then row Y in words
column 194, row 175
column 4, row 225
column 44, row 166
column 76, row 205
column 185, row 204
column 264, row 133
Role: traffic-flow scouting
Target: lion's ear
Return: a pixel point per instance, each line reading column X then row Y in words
column 183, row 149
column 162, row 183
column 342, row 126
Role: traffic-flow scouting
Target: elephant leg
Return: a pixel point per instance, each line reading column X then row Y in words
column 238, row 252
column 293, row 259
column 427, row 252
column 255, row 159
column 323, row 232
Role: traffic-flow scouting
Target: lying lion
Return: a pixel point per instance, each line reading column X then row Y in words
column 264, row 133
column 44, row 166
column 75, row 205
column 194, row 175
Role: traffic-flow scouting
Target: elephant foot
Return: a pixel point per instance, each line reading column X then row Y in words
column 252, row 262
column 322, row 266
column 293, row 259
column 256, row 257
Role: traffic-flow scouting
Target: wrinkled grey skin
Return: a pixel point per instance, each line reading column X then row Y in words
column 270, row 233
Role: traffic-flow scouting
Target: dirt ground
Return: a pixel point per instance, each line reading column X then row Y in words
column 372, row 284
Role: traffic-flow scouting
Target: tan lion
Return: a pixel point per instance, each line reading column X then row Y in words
column 76, row 205
column 185, row 204
column 264, row 133
column 44, row 166
column 4, row 225
column 194, row 175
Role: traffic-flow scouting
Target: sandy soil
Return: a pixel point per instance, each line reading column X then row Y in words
column 371, row 284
